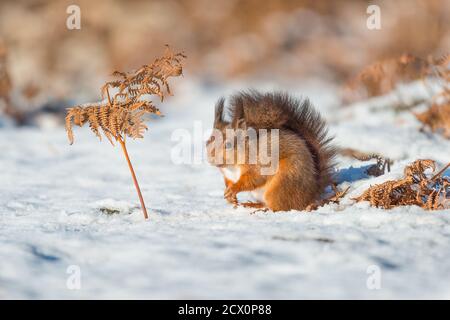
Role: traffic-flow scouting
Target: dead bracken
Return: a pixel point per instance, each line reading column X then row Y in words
column 376, row 169
column 416, row 188
column 383, row 76
column 121, row 115
column 437, row 116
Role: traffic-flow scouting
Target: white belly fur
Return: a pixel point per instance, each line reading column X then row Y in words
column 258, row 194
column 232, row 173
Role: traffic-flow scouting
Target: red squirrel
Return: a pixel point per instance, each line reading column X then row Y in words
column 305, row 154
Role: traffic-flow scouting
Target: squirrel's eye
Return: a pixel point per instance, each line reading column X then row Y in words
column 228, row 145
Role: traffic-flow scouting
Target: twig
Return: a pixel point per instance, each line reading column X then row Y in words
column 440, row 172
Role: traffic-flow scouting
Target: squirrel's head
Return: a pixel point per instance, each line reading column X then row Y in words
column 223, row 146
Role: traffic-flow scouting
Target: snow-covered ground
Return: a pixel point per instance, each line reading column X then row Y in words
column 53, row 199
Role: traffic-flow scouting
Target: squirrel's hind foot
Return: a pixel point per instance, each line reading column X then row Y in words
column 261, row 207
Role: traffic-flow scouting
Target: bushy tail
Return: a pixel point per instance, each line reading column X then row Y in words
column 279, row 110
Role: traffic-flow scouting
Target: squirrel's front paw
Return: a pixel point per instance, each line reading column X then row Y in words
column 230, row 195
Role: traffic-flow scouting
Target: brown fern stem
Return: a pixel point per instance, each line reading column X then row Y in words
column 440, row 172
column 136, row 184
column 109, row 98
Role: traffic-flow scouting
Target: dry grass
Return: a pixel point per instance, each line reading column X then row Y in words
column 416, row 188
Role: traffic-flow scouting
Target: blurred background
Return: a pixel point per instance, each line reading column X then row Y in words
column 43, row 65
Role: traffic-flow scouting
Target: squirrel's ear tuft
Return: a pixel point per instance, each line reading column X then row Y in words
column 241, row 124
column 218, row 116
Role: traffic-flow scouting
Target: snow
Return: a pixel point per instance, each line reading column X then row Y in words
column 63, row 206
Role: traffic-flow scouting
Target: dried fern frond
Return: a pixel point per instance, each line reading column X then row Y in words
column 414, row 189
column 417, row 169
column 334, row 198
column 376, row 169
column 436, row 118
column 122, row 114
